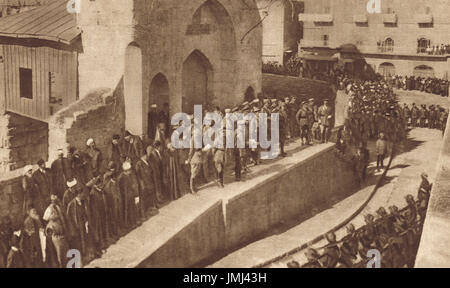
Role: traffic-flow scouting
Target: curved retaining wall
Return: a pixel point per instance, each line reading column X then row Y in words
column 239, row 220
column 434, row 245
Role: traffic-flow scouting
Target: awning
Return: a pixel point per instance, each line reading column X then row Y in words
column 323, row 18
column 424, row 18
column 361, row 18
column 390, row 18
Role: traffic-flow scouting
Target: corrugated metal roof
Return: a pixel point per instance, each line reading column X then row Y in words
column 49, row 22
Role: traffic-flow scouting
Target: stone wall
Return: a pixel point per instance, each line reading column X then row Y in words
column 151, row 27
column 434, row 243
column 11, row 196
column 23, row 141
column 99, row 115
column 289, row 194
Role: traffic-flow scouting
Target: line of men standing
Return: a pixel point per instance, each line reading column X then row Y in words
column 87, row 200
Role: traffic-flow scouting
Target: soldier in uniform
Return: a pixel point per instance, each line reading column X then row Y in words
column 349, row 248
column 424, row 116
column 313, row 259
column 415, row 114
column 324, row 114
column 303, row 123
column 330, row 257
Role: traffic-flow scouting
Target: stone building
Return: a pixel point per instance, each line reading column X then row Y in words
column 391, row 42
column 176, row 52
column 139, row 52
column 281, row 28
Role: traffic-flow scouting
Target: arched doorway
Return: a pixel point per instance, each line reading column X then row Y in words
column 197, row 81
column 387, row 69
column 133, row 90
column 423, row 71
column 249, row 94
column 159, row 103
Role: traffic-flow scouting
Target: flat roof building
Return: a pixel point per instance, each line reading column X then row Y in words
column 401, row 40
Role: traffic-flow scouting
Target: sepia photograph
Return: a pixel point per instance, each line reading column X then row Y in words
column 224, row 134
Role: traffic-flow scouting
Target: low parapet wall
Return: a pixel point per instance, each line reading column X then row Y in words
column 434, row 245
column 286, row 194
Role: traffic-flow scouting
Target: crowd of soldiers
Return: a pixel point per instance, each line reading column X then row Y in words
column 374, row 109
column 89, row 197
column 424, row 84
column 394, row 234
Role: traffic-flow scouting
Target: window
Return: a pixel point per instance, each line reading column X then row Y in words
column 327, row 9
column 325, row 39
column 422, row 45
column 26, row 83
column 388, row 45
column 427, row 10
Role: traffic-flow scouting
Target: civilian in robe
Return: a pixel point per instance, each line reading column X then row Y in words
column 129, row 188
column 134, row 148
column 70, row 193
column 114, row 200
column 99, row 216
column 177, row 185
column 117, row 152
column 30, row 240
column 78, row 223
column 61, row 173
column 43, row 180
column 31, row 194
column 147, row 180
column 93, row 159
column 156, row 161
column 15, row 257
column 78, row 165
column 57, row 230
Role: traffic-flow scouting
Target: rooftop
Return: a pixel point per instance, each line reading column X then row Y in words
column 48, row 22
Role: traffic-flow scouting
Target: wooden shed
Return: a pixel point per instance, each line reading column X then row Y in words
column 39, row 60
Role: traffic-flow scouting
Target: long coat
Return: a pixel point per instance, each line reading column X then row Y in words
column 147, row 183
column 129, row 188
column 77, row 217
column 32, row 197
column 99, row 222
column 43, row 180
column 115, row 205
column 61, row 172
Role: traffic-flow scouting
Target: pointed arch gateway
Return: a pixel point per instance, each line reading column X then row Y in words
column 197, row 81
column 209, row 71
